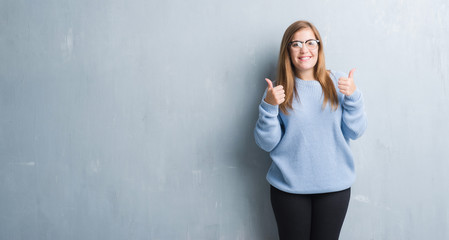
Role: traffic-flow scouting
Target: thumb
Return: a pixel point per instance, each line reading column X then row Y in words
column 270, row 83
column 351, row 73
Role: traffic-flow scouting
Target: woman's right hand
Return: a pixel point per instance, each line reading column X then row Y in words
column 275, row 95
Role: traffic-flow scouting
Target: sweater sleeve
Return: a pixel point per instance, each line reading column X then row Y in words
column 268, row 130
column 353, row 117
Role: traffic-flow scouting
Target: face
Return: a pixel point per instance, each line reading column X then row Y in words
column 303, row 58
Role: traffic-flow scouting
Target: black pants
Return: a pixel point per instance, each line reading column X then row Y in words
column 309, row 216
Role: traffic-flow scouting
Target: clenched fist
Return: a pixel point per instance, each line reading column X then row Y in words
column 346, row 84
column 275, row 95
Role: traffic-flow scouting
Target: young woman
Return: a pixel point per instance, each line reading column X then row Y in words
column 306, row 123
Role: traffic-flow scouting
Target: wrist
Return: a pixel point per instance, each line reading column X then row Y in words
column 269, row 102
column 354, row 95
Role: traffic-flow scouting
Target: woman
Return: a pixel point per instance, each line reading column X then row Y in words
column 306, row 124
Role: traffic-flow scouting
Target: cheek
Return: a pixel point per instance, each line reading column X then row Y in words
column 316, row 56
column 291, row 55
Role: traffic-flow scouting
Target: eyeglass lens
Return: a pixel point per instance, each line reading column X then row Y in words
column 311, row 44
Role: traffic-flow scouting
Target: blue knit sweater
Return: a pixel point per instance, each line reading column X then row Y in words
column 310, row 146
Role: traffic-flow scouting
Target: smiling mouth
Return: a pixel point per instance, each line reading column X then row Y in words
column 303, row 59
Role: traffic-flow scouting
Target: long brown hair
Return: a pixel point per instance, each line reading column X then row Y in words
column 286, row 73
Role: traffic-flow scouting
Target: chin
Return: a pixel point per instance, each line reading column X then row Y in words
column 305, row 68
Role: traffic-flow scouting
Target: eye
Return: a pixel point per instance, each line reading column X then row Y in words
column 296, row 44
column 312, row 43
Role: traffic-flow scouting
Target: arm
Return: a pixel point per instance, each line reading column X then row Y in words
column 353, row 115
column 353, row 120
column 268, row 130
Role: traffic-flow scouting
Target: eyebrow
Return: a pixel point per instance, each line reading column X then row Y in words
column 303, row 41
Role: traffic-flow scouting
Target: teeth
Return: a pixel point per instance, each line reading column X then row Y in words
column 304, row 58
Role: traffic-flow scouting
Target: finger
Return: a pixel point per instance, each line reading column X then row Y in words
column 341, row 87
column 278, row 90
column 279, row 87
column 270, row 83
column 280, row 95
column 351, row 73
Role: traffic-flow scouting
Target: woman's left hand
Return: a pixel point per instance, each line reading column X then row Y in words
column 346, row 84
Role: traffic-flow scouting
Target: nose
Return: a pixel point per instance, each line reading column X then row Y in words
column 304, row 49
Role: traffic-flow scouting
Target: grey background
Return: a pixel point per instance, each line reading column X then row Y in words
column 134, row 119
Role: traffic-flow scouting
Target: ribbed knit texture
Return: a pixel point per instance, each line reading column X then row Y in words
column 310, row 146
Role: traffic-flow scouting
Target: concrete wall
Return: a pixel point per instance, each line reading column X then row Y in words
column 134, row 119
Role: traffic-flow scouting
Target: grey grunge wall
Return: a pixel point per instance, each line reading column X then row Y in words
column 134, row 119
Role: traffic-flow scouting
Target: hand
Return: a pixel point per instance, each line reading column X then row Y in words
column 275, row 95
column 346, row 84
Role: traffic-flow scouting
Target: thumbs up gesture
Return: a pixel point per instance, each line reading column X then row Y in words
column 275, row 95
column 346, row 84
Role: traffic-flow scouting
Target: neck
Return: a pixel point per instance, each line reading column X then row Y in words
column 306, row 75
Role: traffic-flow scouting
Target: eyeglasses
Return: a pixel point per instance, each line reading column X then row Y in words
column 311, row 44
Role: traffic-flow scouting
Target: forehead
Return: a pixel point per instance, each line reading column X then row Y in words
column 303, row 35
